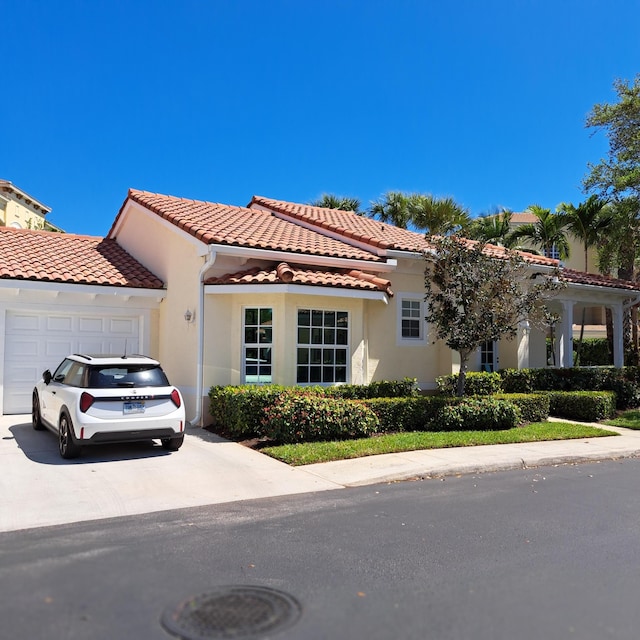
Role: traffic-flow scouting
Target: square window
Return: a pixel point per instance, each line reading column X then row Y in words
column 325, row 330
column 304, row 318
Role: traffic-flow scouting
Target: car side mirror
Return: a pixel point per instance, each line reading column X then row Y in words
column 46, row 376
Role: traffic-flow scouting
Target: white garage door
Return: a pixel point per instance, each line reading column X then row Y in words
column 35, row 342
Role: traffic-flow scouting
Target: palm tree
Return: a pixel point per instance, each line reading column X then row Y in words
column 331, row 201
column 437, row 216
column 423, row 212
column 546, row 233
column 493, row 228
column 586, row 223
column 392, row 208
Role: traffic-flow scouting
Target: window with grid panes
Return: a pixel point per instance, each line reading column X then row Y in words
column 257, row 345
column 323, row 346
column 411, row 312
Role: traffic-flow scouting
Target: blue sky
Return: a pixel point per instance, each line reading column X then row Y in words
column 220, row 100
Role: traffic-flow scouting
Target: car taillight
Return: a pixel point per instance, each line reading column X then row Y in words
column 86, row 400
column 175, row 396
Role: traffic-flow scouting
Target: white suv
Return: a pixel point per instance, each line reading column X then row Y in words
column 93, row 399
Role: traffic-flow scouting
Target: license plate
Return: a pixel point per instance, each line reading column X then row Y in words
column 133, row 407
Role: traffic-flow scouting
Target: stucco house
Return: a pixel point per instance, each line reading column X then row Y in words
column 19, row 210
column 274, row 292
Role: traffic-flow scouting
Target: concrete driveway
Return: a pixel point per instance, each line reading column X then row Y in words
column 38, row 488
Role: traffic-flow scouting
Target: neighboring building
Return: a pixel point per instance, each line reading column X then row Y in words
column 275, row 292
column 594, row 316
column 19, row 210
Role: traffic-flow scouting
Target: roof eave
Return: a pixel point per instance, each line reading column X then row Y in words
column 309, row 290
column 306, row 258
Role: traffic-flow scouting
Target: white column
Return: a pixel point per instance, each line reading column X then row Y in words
column 524, row 347
column 566, row 335
column 618, row 336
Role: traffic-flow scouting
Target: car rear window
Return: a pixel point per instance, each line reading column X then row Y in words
column 108, row 377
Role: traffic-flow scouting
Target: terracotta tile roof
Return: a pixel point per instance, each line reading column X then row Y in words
column 349, row 224
column 597, row 280
column 524, row 217
column 370, row 231
column 239, row 226
column 62, row 257
column 285, row 273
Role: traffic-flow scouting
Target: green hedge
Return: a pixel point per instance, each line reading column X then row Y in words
column 534, row 407
column 583, row 406
column 477, row 383
column 312, row 417
column 238, row 410
column 477, row 414
column 595, row 352
column 407, row 414
column 406, row 388
column 625, row 381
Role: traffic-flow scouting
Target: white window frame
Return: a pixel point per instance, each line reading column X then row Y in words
column 405, row 341
column 323, row 346
column 256, row 345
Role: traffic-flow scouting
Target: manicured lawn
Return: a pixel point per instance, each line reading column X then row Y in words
column 308, row 453
column 628, row 419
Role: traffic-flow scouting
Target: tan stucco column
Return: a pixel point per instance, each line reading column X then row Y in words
column 618, row 336
column 566, row 335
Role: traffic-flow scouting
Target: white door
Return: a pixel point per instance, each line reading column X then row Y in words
column 37, row 341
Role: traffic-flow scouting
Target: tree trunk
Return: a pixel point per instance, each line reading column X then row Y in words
column 464, row 365
column 634, row 334
column 609, row 323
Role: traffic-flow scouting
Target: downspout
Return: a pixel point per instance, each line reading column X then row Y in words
column 211, row 258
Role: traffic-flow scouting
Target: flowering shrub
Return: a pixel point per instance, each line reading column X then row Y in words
column 311, row 417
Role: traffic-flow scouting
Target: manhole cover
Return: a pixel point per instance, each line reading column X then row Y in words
column 232, row 612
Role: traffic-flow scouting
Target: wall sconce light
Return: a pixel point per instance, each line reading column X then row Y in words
column 189, row 315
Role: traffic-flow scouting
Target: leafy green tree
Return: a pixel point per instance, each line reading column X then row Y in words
column 494, row 228
column 331, row 201
column 545, row 233
column 421, row 212
column 618, row 175
column 473, row 298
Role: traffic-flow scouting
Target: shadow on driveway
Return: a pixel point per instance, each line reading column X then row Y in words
column 42, row 447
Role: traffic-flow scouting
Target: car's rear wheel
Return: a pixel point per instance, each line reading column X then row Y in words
column 172, row 444
column 68, row 447
column 36, row 418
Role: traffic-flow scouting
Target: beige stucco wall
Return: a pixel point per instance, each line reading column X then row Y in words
column 224, row 340
column 174, row 258
column 16, row 214
column 390, row 357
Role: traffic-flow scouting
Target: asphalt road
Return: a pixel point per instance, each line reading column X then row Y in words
column 549, row 553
